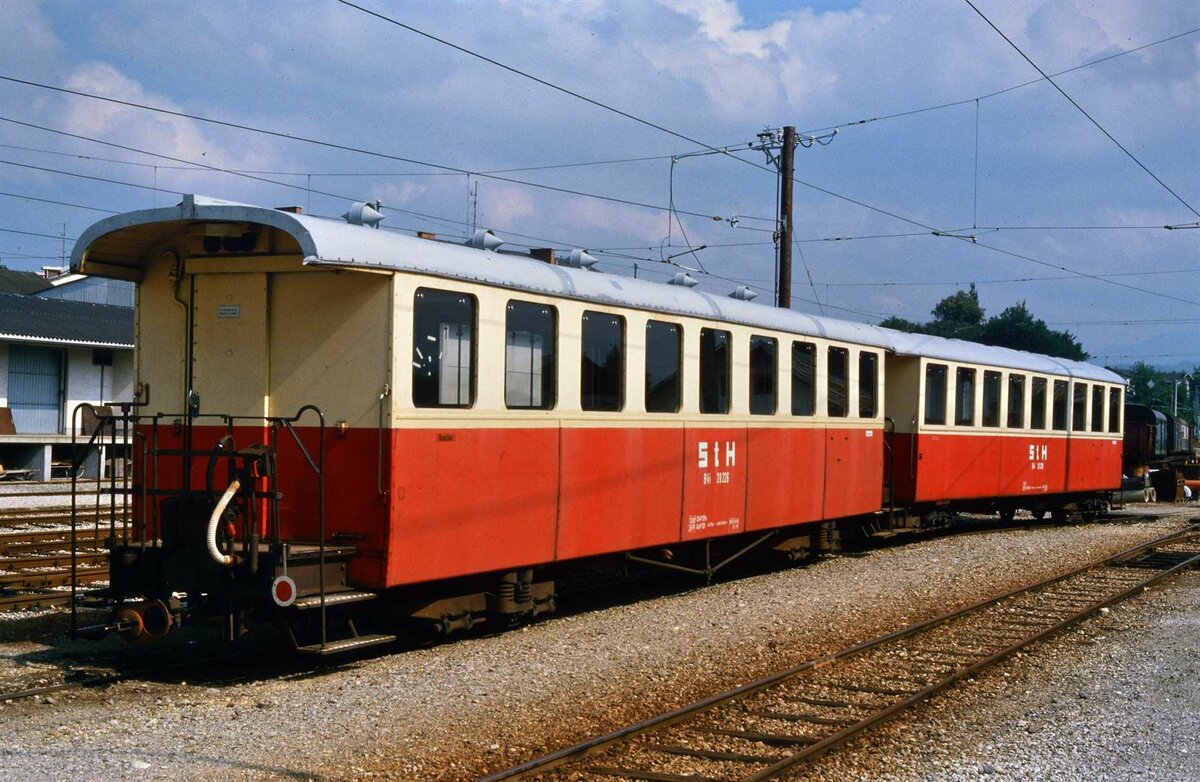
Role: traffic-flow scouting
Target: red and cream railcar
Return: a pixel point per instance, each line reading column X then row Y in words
column 992, row 428
column 485, row 413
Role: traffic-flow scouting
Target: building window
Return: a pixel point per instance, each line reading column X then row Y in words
column 1079, row 408
column 715, row 363
column 530, row 374
column 1097, row 408
column 935, row 393
column 1059, row 404
column 1114, row 410
column 1037, row 403
column 764, row 374
column 838, row 382
column 36, row 386
column 443, row 349
column 868, row 385
column 804, row 378
column 991, row 398
column 964, row 397
column 603, row 380
column 664, row 362
column 1016, row 401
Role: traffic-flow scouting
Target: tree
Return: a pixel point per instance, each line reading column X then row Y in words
column 960, row 316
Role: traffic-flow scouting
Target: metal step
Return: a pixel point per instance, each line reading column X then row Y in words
column 346, row 644
column 332, row 599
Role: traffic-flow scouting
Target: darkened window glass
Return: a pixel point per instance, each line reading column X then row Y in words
column 964, row 397
column 868, row 384
column 839, row 380
column 1016, row 401
column 529, row 356
column 991, row 398
column 603, row 380
column 1037, row 403
column 1097, row 408
column 715, row 361
column 764, row 374
column 1114, row 410
column 664, row 357
column 1059, row 405
column 1079, row 408
column 935, row 393
column 443, row 349
column 804, row 378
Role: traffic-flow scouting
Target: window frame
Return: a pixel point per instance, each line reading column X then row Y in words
column 994, row 379
column 473, row 357
column 549, row 386
column 943, row 391
column 843, row 381
column 716, row 371
column 868, row 389
column 1018, row 397
column 959, row 374
column 812, row 378
column 679, row 336
column 623, row 343
column 758, row 341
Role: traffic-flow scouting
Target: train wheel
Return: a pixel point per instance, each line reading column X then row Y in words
column 1039, row 514
column 1007, row 515
column 1059, row 515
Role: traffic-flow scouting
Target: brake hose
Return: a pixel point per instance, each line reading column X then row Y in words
column 215, row 519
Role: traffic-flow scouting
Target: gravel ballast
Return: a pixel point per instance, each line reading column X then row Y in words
column 1121, row 707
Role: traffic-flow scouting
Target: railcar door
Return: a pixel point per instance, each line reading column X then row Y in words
column 230, row 357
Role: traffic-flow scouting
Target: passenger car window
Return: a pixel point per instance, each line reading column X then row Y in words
column 1079, row 407
column 1016, row 401
column 764, row 374
column 443, row 349
column 935, row 393
column 1059, row 403
column 530, row 372
column 839, row 371
column 664, row 359
column 868, row 384
column 1097, row 408
column 715, row 364
column 804, row 378
column 991, row 398
column 1037, row 403
column 1114, row 410
column 964, row 397
column 603, row 379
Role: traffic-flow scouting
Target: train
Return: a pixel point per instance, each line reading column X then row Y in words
column 337, row 423
column 1160, row 452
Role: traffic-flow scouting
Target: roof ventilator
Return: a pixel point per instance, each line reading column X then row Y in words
column 577, row 259
column 684, row 279
column 744, row 293
column 363, row 213
column 485, row 239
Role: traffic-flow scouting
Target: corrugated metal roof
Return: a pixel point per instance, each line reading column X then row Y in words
column 32, row 318
column 324, row 241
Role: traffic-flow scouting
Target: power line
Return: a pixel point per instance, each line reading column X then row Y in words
column 1031, row 82
column 348, row 148
column 545, row 83
column 31, row 233
column 57, row 203
column 1082, row 111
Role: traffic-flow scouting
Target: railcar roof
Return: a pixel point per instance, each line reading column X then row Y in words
column 120, row 242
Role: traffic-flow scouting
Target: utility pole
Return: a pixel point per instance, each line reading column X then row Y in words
column 787, row 164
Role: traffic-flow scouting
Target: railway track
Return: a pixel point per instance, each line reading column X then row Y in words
column 762, row 730
column 35, row 564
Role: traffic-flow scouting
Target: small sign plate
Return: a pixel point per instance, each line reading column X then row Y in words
column 229, row 310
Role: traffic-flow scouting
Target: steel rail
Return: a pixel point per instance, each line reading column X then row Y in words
column 592, row 746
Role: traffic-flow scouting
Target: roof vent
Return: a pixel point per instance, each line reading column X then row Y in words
column 684, row 279
column 363, row 213
column 744, row 293
column 578, row 259
column 485, row 239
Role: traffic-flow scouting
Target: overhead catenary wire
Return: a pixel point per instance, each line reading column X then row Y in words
column 1082, row 111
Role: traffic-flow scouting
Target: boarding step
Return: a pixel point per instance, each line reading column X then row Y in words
column 311, row 552
column 333, row 599
column 346, row 644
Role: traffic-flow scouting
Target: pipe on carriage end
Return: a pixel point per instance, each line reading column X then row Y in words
column 215, row 519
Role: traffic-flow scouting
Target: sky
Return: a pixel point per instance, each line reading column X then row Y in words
column 669, row 95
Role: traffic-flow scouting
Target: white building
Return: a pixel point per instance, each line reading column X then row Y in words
column 54, row 355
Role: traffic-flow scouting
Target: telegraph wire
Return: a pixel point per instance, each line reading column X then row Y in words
column 1082, row 111
column 57, row 237
column 88, row 176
